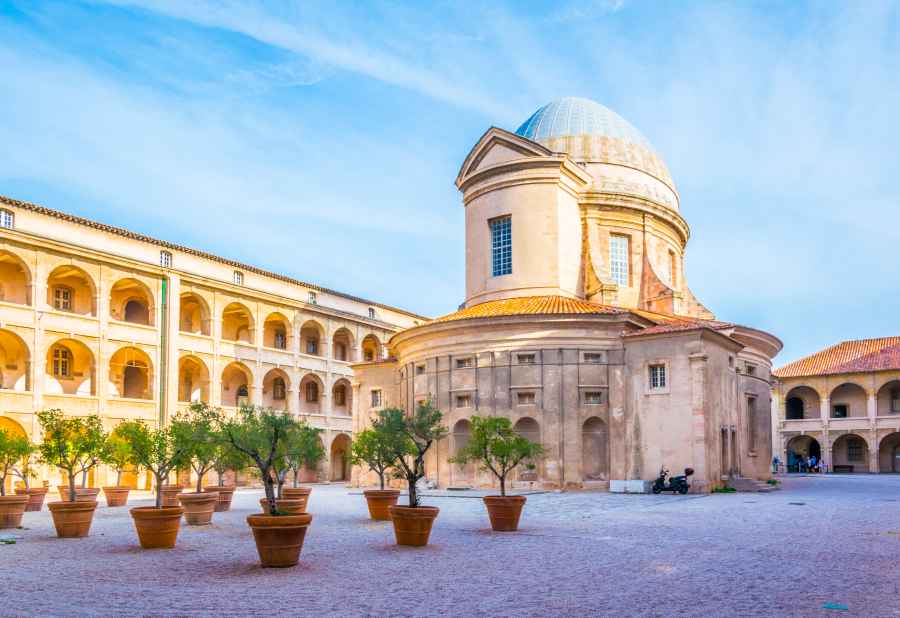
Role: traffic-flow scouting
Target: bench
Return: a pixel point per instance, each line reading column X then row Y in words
column 838, row 469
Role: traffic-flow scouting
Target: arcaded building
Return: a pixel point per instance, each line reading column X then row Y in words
column 578, row 322
column 841, row 404
column 95, row 319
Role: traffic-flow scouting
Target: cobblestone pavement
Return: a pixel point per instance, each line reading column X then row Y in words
column 820, row 540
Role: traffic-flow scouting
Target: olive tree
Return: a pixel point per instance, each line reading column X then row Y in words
column 118, row 454
column 14, row 450
column 71, row 443
column 496, row 447
column 409, row 436
column 373, row 448
column 155, row 449
column 308, row 451
column 195, row 430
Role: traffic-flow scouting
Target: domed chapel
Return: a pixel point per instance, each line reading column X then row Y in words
column 578, row 322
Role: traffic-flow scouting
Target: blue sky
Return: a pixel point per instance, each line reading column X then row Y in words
column 322, row 139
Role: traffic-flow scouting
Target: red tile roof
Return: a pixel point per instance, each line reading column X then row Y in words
column 530, row 305
column 859, row 356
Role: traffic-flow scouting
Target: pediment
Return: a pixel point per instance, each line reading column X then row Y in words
column 498, row 146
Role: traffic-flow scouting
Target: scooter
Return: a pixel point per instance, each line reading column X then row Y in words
column 676, row 483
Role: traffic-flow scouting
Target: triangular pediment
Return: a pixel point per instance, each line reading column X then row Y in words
column 498, row 146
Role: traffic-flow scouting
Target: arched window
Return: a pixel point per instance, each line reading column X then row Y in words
column 62, row 362
column 278, row 389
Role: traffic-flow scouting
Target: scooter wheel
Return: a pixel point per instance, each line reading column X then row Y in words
column 682, row 490
column 656, row 490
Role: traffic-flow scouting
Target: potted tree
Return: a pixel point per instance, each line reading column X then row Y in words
column 226, row 458
column 13, row 449
column 72, row 444
column 257, row 433
column 117, row 454
column 372, row 449
column 409, row 437
column 307, row 453
column 196, row 433
column 496, row 447
column 25, row 471
column 287, row 450
column 158, row 451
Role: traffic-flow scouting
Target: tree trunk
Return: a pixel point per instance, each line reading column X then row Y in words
column 381, row 479
column 199, row 482
column 221, row 476
column 3, row 485
column 270, row 493
column 84, row 478
column 413, row 498
column 159, row 486
column 72, row 486
column 503, row 485
column 118, row 477
column 297, row 477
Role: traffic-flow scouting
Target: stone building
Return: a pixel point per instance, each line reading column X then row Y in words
column 578, row 323
column 841, row 404
column 99, row 320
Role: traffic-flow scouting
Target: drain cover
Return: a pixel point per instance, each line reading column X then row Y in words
column 797, row 503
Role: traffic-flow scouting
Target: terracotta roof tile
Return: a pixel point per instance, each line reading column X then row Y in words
column 847, row 357
column 530, row 305
column 209, row 256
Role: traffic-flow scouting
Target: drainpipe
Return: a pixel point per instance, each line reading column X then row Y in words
column 164, row 348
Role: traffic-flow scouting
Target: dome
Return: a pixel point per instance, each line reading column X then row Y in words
column 592, row 133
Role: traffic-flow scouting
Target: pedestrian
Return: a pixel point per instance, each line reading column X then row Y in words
column 775, row 463
column 812, row 464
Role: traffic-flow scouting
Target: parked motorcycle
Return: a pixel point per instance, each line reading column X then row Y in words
column 677, row 484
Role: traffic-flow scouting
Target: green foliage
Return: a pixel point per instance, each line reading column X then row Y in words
column 15, row 451
column 195, row 432
column 303, row 449
column 258, row 433
column 497, row 447
column 409, row 437
column 72, row 443
column 373, row 448
column 724, row 490
column 118, row 454
column 772, row 482
column 155, row 449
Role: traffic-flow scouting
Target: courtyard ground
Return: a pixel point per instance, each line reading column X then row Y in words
column 820, row 540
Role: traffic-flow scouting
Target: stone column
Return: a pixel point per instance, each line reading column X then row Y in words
column 872, row 406
column 173, row 322
column 825, row 410
column 702, row 478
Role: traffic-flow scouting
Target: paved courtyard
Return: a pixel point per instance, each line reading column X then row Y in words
column 819, row 540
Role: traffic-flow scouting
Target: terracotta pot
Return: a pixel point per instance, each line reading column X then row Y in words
column 11, row 510
column 412, row 525
column 279, row 538
column 198, row 508
column 226, row 492
column 116, row 496
column 379, row 501
column 289, row 507
column 157, row 528
column 297, row 493
column 504, row 512
column 82, row 494
column 170, row 495
column 72, row 519
column 35, row 497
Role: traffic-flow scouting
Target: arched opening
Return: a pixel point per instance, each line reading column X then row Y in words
column 889, row 399
column 275, row 388
column 341, row 395
column 342, row 345
column 130, row 374
column 594, row 450
column 800, row 453
column 889, row 453
column 371, row 348
column 69, row 369
column 848, row 401
column 13, row 428
column 311, row 394
column 463, row 474
column 71, row 289
column 311, row 336
column 237, row 323
column 193, row 380
column 193, row 315
column 850, row 453
column 15, row 362
column 528, row 428
column 131, row 301
column 236, row 380
column 340, row 458
column 801, row 402
column 15, row 279
column 276, row 332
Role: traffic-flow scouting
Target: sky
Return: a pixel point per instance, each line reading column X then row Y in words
column 322, row 139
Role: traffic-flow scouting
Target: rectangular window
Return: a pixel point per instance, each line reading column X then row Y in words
column 61, row 363
column 657, row 376
column 501, row 246
column 7, row 219
column 619, row 253
column 750, row 368
column 526, row 359
column 840, row 410
column 312, row 392
column 420, row 370
column 854, row 449
column 525, row 399
column 238, row 278
column 312, row 299
column 673, row 269
column 464, row 401
column 593, row 398
column 372, row 312
column 280, row 340
column 895, row 400
column 312, row 346
column 465, row 363
column 278, row 390
column 594, row 357
column 62, row 299
column 340, row 396
column 376, row 399
column 165, row 259
column 751, row 422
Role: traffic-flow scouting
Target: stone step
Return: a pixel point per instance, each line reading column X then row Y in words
column 742, row 484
